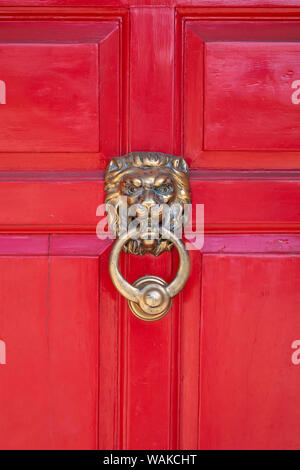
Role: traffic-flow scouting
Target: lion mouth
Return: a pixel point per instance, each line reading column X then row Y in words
column 151, row 231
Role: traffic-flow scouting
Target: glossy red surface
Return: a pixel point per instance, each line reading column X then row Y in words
column 56, row 110
column 245, row 103
column 47, row 352
column 248, row 380
column 249, row 96
column 211, row 81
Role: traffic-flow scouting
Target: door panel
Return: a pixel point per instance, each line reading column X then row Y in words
column 61, row 91
column 246, row 98
column 73, row 322
column 55, row 109
column 24, row 402
column 249, row 383
column 49, row 323
column 251, row 96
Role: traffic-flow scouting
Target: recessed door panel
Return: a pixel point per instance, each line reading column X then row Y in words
column 249, row 359
column 241, row 93
column 252, row 96
column 59, row 93
column 49, row 326
column 51, row 98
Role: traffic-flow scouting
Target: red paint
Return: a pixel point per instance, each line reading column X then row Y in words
column 77, row 245
column 67, row 203
column 52, row 120
column 249, row 96
column 242, row 102
column 152, row 63
column 54, row 359
column 24, row 245
column 56, row 110
column 217, row 371
column 249, row 386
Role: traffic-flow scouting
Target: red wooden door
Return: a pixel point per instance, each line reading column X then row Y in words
column 81, row 82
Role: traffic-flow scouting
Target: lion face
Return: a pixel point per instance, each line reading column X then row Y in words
column 147, row 181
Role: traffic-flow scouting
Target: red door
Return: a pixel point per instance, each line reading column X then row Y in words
column 79, row 83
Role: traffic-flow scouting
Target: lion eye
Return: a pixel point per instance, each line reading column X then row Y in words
column 130, row 189
column 164, row 189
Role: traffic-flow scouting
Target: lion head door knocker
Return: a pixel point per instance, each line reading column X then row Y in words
column 147, row 195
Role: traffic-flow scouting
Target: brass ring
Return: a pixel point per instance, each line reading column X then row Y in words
column 153, row 299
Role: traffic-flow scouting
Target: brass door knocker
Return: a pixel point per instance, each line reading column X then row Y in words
column 149, row 183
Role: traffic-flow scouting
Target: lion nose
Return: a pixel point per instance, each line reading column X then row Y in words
column 147, row 203
column 149, row 199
